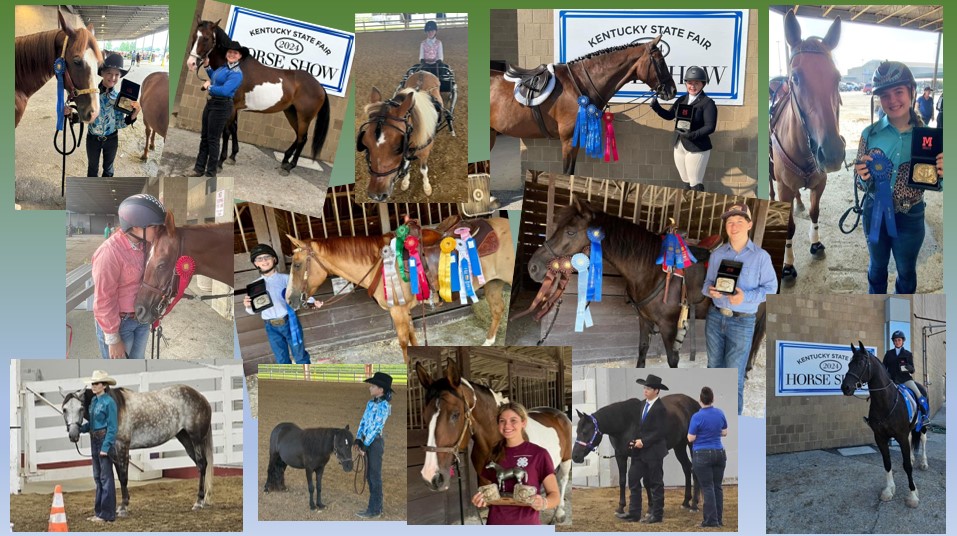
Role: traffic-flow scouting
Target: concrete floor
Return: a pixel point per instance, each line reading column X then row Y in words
column 507, row 183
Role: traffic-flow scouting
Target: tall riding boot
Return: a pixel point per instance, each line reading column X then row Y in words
column 925, row 409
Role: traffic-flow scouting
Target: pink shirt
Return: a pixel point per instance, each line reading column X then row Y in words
column 431, row 50
column 117, row 274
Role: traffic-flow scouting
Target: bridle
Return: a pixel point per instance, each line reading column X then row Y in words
column 68, row 79
column 661, row 73
column 169, row 291
column 382, row 119
column 590, row 446
column 860, row 383
column 467, row 430
column 200, row 59
column 311, row 255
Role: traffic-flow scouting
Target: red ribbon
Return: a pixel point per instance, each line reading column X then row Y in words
column 185, row 268
column 412, row 245
column 611, row 148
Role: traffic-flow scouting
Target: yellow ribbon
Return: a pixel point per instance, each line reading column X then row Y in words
column 445, row 268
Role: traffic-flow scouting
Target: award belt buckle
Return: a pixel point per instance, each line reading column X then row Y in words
column 725, row 311
column 925, row 173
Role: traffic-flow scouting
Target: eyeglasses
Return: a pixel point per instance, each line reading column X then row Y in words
column 262, row 258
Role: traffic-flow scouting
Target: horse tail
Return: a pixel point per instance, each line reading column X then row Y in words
column 321, row 128
column 760, row 328
column 274, row 473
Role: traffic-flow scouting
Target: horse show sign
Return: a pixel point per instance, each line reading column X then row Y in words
column 715, row 40
column 810, row 368
column 325, row 53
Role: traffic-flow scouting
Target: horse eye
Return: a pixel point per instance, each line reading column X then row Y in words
column 455, row 416
column 796, row 78
column 571, row 233
column 77, row 61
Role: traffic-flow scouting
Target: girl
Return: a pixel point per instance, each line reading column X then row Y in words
column 369, row 439
column 430, row 51
column 103, row 136
column 102, row 426
column 222, row 86
column 693, row 145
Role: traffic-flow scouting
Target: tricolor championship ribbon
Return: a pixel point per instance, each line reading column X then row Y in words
column 465, row 269
column 583, row 318
column 419, row 281
column 595, row 236
column 446, row 262
column 881, row 169
column 474, row 263
column 399, row 245
column 391, row 284
column 611, row 146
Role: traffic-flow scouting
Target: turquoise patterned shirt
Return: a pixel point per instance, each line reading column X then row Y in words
column 110, row 119
column 373, row 420
column 894, row 143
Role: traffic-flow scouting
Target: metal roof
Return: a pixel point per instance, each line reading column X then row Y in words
column 923, row 18
column 121, row 23
column 100, row 195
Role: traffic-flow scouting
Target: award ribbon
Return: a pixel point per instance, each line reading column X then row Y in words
column 447, row 247
column 595, row 236
column 474, row 262
column 59, row 67
column 399, row 245
column 583, row 314
column 580, row 134
column 420, row 284
column 881, row 169
column 295, row 331
column 611, row 146
column 391, row 284
column 466, row 273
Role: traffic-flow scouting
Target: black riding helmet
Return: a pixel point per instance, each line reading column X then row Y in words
column 113, row 61
column 431, row 26
column 891, row 74
column 696, row 73
column 898, row 335
column 141, row 210
column 262, row 249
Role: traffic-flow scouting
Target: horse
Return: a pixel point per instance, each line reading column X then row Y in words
column 619, row 421
column 266, row 90
column 210, row 246
column 308, row 449
column 34, row 55
column 806, row 142
column 632, row 250
column 149, row 419
column 502, row 474
column 154, row 108
column 358, row 260
column 412, row 116
column 598, row 76
column 457, row 409
column 887, row 417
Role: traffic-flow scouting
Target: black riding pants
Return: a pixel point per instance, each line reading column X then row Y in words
column 215, row 115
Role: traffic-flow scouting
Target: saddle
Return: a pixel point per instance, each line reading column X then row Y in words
column 532, row 86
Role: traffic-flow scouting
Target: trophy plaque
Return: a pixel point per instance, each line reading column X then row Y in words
column 926, row 144
column 683, row 115
column 257, row 292
column 129, row 92
column 727, row 280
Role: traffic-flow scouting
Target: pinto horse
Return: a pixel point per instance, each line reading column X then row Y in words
column 358, row 259
column 806, row 142
column 266, row 90
column 150, row 419
column 34, row 56
column 458, row 410
column 398, row 131
column 308, row 449
column 209, row 245
column 598, row 76
column 154, row 107
column 619, row 421
column 887, row 417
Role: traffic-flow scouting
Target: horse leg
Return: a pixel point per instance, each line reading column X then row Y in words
column 492, row 136
column 911, row 501
column 199, row 459
column 402, row 323
column 312, row 505
column 644, row 342
column 889, row 488
column 788, row 272
column 569, row 157
column 293, row 119
column 622, row 484
column 496, row 303
column 146, row 147
column 302, row 134
column 817, row 248
column 319, row 471
column 922, row 443
column 681, row 454
column 122, row 464
column 564, row 470
column 669, row 336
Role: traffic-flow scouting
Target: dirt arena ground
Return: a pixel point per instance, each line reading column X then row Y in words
column 382, row 61
column 595, row 512
column 160, row 507
column 315, row 404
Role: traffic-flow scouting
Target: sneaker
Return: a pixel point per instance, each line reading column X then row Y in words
column 365, row 514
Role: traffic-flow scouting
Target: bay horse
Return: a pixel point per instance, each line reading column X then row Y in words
column 154, row 108
column 619, row 421
column 308, row 449
column 34, row 55
column 358, row 259
column 632, row 250
column 266, row 90
column 147, row 420
column 598, row 76
column 457, row 410
column 887, row 417
column 210, row 246
column 806, row 142
column 399, row 131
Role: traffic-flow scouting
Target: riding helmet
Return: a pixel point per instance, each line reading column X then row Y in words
column 141, row 210
column 262, row 249
column 431, row 26
column 696, row 73
column 898, row 335
column 890, row 74
column 113, row 61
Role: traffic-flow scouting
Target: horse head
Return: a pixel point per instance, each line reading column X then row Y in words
column 344, row 441
column 653, row 71
column 385, row 138
column 587, row 437
column 82, row 56
column 306, row 275
column 569, row 236
column 859, row 370
column 75, row 408
column 449, row 417
column 815, row 93
column 159, row 284
column 204, row 43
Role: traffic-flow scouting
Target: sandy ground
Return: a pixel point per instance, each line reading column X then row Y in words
column 845, row 268
column 382, row 61
column 333, row 405
column 38, row 165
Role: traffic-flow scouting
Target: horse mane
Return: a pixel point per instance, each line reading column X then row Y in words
column 626, row 240
column 443, row 385
column 604, row 51
column 119, row 394
column 34, row 56
column 425, row 116
column 355, row 248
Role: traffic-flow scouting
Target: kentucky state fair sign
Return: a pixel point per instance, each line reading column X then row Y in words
column 810, row 368
column 714, row 39
column 325, row 53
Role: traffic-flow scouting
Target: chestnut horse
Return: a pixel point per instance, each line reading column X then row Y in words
column 806, row 142
column 358, row 259
column 598, row 75
column 458, row 410
column 209, row 245
column 154, row 108
column 266, row 90
column 34, row 55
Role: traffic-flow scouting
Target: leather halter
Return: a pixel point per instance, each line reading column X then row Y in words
column 590, row 446
column 68, row 80
column 660, row 72
column 168, row 293
column 467, row 430
column 201, row 59
column 408, row 151
column 311, row 255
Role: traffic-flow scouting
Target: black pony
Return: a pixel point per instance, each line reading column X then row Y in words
column 620, row 422
column 308, row 449
column 887, row 417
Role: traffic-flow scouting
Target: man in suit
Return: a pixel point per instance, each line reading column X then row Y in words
column 648, row 453
column 899, row 363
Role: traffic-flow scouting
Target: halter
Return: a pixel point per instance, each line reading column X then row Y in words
column 466, row 428
column 590, row 446
column 311, row 255
column 408, row 151
column 860, row 383
column 72, row 91
column 200, row 59
column 168, row 293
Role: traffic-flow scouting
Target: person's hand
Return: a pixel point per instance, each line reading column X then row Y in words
column 539, row 503
column 104, row 454
column 637, row 444
column 713, row 292
column 206, row 85
column 478, row 500
column 737, row 298
column 860, row 167
column 118, row 350
column 318, row 304
column 247, row 301
column 940, row 164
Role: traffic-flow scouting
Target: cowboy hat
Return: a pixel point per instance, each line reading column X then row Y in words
column 232, row 44
column 100, row 376
column 652, row 382
column 113, row 61
column 381, row 379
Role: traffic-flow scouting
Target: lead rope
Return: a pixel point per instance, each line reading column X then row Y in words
column 360, row 468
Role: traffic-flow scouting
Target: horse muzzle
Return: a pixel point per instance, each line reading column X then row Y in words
column 73, row 431
column 346, row 465
column 440, row 482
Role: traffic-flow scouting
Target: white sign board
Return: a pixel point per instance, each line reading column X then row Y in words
column 810, row 368
column 220, row 203
column 325, row 53
column 715, row 40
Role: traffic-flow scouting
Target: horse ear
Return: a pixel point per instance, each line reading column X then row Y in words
column 347, row 428
column 425, row 379
column 853, row 350
column 217, row 22
column 452, row 373
column 792, row 29
column 833, row 34
column 582, row 207
column 91, row 29
column 298, row 243
column 654, row 42
column 580, row 414
column 862, row 346
column 170, row 224
column 375, row 95
column 68, row 28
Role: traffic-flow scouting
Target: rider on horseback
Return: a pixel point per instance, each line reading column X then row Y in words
column 899, row 363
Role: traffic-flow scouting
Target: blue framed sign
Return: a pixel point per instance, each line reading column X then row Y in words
column 811, row 369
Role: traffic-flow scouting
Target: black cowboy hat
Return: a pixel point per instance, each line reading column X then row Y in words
column 113, row 61
column 232, row 44
column 653, row 382
column 382, row 380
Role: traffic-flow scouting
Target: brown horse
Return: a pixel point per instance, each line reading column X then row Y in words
column 598, row 75
column 458, row 410
column 266, row 90
column 154, row 108
column 806, row 142
column 209, row 245
column 34, row 56
column 357, row 260
column 398, row 131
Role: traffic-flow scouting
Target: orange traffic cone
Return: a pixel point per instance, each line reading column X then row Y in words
column 57, row 512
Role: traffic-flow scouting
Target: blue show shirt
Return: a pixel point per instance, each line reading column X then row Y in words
column 373, row 420
column 707, row 425
column 756, row 281
column 111, row 118
column 895, row 144
column 224, row 81
column 103, row 415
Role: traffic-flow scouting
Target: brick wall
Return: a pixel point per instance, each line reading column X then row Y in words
column 503, row 44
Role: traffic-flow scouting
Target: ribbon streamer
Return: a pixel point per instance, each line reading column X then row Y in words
column 465, row 270
column 580, row 134
column 399, row 245
column 583, row 318
column 447, row 247
column 593, row 146
column 391, row 284
column 185, row 268
column 420, row 283
column 295, row 332
column 881, row 169
column 595, row 236
column 611, row 146
column 474, row 262
column 59, row 67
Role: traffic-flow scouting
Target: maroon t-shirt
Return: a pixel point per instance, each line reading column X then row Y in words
column 538, row 464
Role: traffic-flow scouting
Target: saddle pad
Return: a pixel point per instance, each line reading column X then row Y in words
column 528, row 96
column 910, row 400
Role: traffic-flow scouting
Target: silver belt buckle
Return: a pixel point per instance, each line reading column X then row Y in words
column 725, row 311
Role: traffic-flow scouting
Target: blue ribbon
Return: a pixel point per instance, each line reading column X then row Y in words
column 59, row 67
column 580, row 135
column 594, row 137
column 881, row 169
column 674, row 252
column 467, row 289
column 413, row 275
column 474, row 259
column 595, row 235
column 583, row 314
column 454, row 270
column 294, row 329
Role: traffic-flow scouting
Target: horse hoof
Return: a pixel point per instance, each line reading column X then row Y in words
column 286, row 166
column 788, row 275
column 231, row 161
column 284, row 172
column 488, row 342
column 912, row 502
column 817, row 251
column 122, row 513
column 887, row 495
column 198, row 506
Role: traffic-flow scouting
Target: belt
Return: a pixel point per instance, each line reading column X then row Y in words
column 126, row 316
column 98, row 433
column 710, row 450
column 104, row 138
column 728, row 312
column 277, row 321
column 218, row 98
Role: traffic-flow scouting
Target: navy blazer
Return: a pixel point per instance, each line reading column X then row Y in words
column 893, row 362
column 704, row 119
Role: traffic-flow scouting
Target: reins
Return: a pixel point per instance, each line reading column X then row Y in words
column 63, row 80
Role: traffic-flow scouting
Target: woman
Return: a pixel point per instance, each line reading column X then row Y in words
column 222, row 86
column 692, row 145
column 709, row 459
column 369, row 439
column 891, row 135
column 515, row 450
column 102, row 426
column 104, row 130
column 118, row 266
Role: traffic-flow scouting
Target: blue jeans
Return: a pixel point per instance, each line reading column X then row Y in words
column 729, row 344
column 280, row 340
column 910, row 236
column 134, row 336
column 708, row 465
column 104, row 505
column 374, row 474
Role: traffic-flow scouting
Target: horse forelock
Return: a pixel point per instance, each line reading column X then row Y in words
column 812, row 44
column 85, row 39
